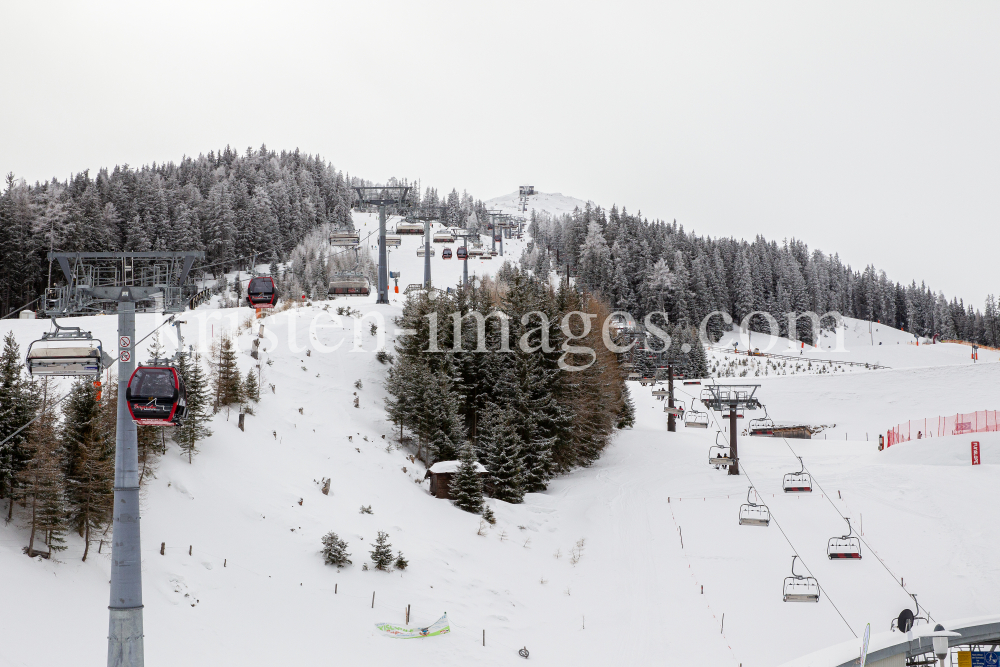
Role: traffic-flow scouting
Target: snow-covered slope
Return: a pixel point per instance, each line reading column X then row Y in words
column 592, row 571
column 859, row 343
column 444, row 272
column 555, row 203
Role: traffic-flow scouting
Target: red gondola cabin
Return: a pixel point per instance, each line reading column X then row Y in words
column 261, row 292
column 156, row 396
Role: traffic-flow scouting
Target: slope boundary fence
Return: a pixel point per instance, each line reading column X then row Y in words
column 772, row 355
column 981, row 421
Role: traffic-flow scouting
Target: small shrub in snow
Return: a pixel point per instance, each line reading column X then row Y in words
column 384, row 357
column 358, row 384
column 381, row 552
column 488, row 515
column 401, row 562
column 373, row 329
column 335, row 550
column 366, row 510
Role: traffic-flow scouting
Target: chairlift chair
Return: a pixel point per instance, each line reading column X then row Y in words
column 446, row 253
column 67, row 351
column 487, row 255
column 393, row 241
column 799, row 588
column 844, row 547
column 721, row 457
column 761, row 426
column 475, row 251
column 907, row 618
column 404, row 227
column 345, row 239
column 678, row 405
column 261, row 292
column 661, row 392
column 349, row 284
column 797, row 482
column 752, row 514
column 695, row 419
column 443, row 237
column 156, row 396
column 421, row 250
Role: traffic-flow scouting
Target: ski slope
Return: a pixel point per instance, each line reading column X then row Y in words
column 555, row 203
column 589, row 572
column 444, row 272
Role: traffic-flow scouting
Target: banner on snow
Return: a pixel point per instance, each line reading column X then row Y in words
column 438, row 627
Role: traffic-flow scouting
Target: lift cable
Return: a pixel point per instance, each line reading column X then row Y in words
column 785, row 535
column 899, row 582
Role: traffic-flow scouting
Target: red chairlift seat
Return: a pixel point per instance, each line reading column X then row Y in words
column 844, row 547
column 797, row 482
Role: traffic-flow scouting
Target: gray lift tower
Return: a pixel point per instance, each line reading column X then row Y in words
column 382, row 196
column 494, row 220
column 734, row 398
column 148, row 282
column 465, row 260
column 428, row 213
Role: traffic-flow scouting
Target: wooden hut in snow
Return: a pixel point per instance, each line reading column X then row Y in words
column 441, row 473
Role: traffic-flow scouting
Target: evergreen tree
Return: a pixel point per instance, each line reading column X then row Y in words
column 335, row 550
column 626, row 416
column 156, row 349
column 195, row 427
column 18, row 404
column 251, row 389
column 89, row 462
column 381, row 552
column 41, row 487
column 743, row 287
column 503, row 455
column 227, row 385
column 467, row 485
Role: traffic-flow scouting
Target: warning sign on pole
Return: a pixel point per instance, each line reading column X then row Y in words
column 124, row 341
column 975, row 452
column 124, row 356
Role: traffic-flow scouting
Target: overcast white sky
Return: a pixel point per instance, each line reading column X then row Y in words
column 864, row 128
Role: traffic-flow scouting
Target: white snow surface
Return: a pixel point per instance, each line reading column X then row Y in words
column 590, row 572
column 554, row 203
column 452, row 466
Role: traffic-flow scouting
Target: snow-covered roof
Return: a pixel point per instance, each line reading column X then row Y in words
column 452, row 466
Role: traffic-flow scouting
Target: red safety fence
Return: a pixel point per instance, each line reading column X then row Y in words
column 972, row 422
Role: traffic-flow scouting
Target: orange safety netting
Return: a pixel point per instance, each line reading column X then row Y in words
column 959, row 424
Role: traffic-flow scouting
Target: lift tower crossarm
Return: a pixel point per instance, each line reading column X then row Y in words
column 732, row 398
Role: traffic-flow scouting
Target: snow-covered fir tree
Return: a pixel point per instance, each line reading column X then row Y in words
column 335, row 550
column 381, row 553
column 466, row 485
